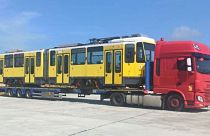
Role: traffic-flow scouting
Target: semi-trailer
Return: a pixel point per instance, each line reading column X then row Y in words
column 176, row 76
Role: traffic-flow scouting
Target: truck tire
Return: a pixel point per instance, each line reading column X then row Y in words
column 117, row 99
column 28, row 94
column 175, row 102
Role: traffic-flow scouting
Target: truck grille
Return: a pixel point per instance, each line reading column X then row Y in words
column 207, row 96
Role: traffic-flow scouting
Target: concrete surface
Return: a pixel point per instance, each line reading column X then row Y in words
column 35, row 117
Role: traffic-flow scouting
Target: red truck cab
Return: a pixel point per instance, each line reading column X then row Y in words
column 182, row 74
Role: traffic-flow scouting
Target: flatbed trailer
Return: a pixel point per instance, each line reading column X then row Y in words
column 32, row 92
column 118, row 97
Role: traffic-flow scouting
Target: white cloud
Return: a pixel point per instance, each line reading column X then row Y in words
column 17, row 31
column 185, row 33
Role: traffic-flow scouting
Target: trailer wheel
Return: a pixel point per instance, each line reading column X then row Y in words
column 175, row 102
column 117, row 99
column 9, row 92
column 28, row 94
column 19, row 93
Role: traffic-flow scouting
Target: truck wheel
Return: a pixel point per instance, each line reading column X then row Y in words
column 28, row 94
column 19, row 93
column 175, row 102
column 117, row 99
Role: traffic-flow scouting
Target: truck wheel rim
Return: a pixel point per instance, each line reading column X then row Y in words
column 118, row 99
column 175, row 103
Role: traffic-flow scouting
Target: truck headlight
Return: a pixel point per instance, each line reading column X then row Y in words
column 200, row 98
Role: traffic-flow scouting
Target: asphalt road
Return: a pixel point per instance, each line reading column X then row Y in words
column 90, row 117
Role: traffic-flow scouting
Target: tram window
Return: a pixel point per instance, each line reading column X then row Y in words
column 118, row 62
column 66, row 64
column 108, row 62
column 8, row 59
column 27, row 66
column 78, row 56
column 149, row 51
column 38, row 59
column 95, row 55
column 1, row 67
column 19, row 60
column 140, row 52
column 59, row 64
column 32, row 65
column 129, row 53
column 52, row 58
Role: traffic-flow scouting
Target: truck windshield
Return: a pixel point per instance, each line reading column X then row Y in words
column 202, row 63
column 149, row 51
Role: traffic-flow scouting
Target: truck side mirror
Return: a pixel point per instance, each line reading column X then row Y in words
column 189, row 69
column 189, row 64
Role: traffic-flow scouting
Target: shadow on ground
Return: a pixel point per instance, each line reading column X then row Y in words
column 107, row 103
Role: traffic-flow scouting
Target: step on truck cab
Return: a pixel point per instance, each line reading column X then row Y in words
column 182, row 74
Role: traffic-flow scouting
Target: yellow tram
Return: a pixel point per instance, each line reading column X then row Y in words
column 107, row 62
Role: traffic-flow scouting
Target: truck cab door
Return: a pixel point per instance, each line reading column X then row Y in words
column 185, row 78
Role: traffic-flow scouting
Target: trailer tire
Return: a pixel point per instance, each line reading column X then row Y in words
column 10, row 92
column 19, row 93
column 28, row 94
column 175, row 102
column 117, row 99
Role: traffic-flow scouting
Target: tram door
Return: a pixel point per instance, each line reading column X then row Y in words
column 29, row 69
column 62, row 72
column 1, row 70
column 113, row 67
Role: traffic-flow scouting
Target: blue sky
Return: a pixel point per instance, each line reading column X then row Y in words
column 29, row 25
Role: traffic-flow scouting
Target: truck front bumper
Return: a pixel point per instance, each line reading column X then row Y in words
column 198, row 104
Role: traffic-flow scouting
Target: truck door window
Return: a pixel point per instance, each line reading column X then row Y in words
column 182, row 63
